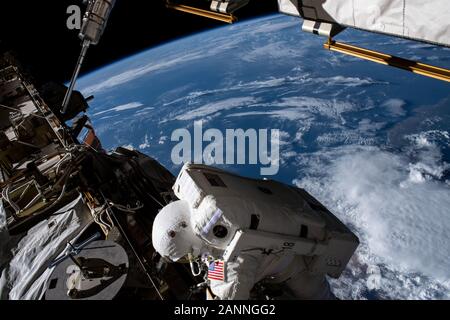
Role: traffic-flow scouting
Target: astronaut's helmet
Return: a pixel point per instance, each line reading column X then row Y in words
column 173, row 236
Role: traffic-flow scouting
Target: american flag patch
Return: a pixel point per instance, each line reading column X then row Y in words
column 216, row 271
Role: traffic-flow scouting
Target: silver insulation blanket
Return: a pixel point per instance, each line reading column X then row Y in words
column 25, row 269
column 427, row 21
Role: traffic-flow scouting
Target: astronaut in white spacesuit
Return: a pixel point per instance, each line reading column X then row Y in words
column 244, row 231
column 174, row 238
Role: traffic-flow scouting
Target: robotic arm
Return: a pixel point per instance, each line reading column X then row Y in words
column 95, row 19
column 94, row 24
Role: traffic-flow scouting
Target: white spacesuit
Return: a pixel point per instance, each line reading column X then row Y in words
column 244, row 231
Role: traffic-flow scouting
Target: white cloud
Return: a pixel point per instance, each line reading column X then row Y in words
column 128, row 106
column 210, row 49
column 273, row 82
column 144, row 111
column 285, row 114
column 395, row 107
column 162, row 140
column 108, row 117
column 136, row 73
column 303, row 108
column 305, row 127
column 345, row 137
column 146, row 143
column 213, row 108
column 274, row 51
column 345, row 81
column 331, row 108
column 426, row 147
column 429, row 138
column 250, row 86
column 402, row 223
column 271, row 27
column 367, row 125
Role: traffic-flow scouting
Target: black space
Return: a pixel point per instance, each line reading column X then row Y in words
column 35, row 30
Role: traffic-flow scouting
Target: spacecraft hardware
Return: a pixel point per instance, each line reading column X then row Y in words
column 83, row 219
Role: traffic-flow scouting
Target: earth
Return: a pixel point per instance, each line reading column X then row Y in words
column 372, row 143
